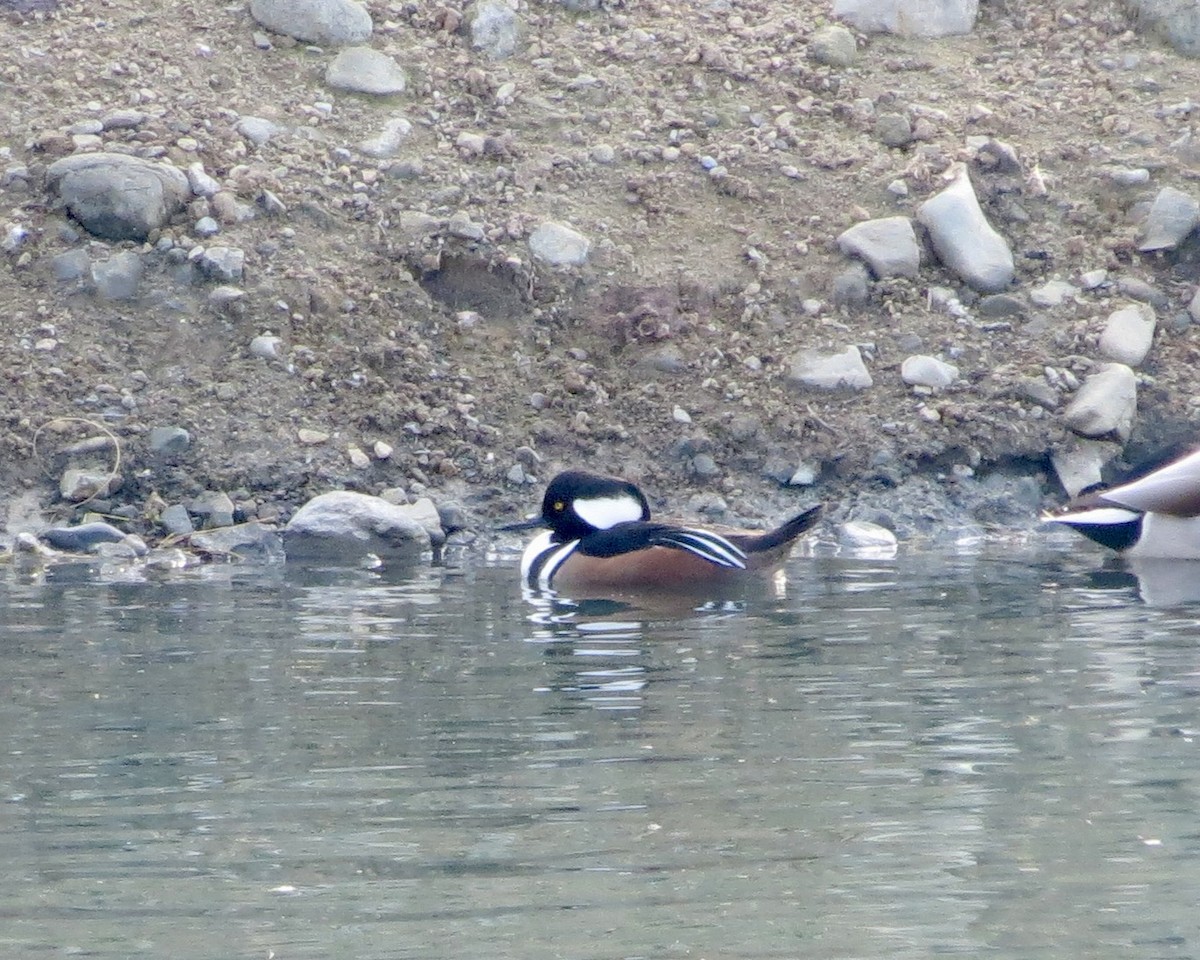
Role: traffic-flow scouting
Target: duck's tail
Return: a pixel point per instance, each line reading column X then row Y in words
column 765, row 551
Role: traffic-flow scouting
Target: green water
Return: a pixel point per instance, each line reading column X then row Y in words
column 980, row 754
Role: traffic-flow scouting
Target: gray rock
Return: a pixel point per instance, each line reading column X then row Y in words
column 77, row 485
column 271, row 205
column 833, row 45
column 1000, row 305
column 1052, row 293
column 918, row 18
column 893, row 129
column 388, row 141
column 222, row 263
column 426, row 513
column 815, row 370
column 851, row 287
column 332, row 22
column 921, row 370
column 559, row 245
column 164, row 441
column 494, row 27
column 453, row 517
column 346, row 525
column 118, row 197
column 1130, row 177
column 207, row 227
column 363, row 70
column 1138, row 289
column 964, row 240
column 247, row 541
column 1037, row 390
column 266, row 346
column 214, row 508
column 201, row 184
column 117, row 278
column 71, row 265
column 176, row 520
column 1105, row 405
column 888, row 246
column 1173, row 215
column 864, row 537
column 257, row 130
column 1128, row 334
column 82, row 538
column 1177, row 21
column 1079, row 465
column 1194, row 306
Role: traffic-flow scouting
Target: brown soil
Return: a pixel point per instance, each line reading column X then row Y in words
column 696, row 292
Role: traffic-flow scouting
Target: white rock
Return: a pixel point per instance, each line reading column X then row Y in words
column 1078, row 466
column 1194, row 306
column 964, row 240
column 1053, row 293
column 1128, row 334
column 888, row 246
column 201, row 183
column 382, row 450
column 1173, row 215
column 830, row 371
column 925, row 371
column 347, row 525
column 679, row 415
column 559, row 245
column 266, row 346
column 363, row 70
column 494, row 28
column 76, row 485
column 257, row 130
column 332, row 22
column 1105, row 405
column 919, row 18
column 833, row 45
column 863, row 538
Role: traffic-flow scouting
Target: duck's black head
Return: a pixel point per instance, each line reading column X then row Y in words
column 578, row 503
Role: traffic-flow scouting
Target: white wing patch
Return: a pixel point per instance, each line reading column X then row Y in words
column 707, row 545
column 1097, row 516
column 605, row 512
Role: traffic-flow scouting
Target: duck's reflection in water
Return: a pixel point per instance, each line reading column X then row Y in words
column 600, row 646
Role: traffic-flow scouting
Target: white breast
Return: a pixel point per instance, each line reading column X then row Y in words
column 1167, row 536
column 555, row 554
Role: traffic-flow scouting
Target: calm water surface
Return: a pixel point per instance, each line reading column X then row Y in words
column 991, row 753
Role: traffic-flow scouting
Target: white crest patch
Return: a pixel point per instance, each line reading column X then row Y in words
column 605, row 512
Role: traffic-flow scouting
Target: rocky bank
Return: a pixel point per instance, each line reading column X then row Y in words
column 749, row 254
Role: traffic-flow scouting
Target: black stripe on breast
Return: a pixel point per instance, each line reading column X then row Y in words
column 534, row 578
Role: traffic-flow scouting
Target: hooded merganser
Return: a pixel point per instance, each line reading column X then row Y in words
column 601, row 536
column 1155, row 515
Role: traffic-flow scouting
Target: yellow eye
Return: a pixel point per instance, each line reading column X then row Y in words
column 558, row 506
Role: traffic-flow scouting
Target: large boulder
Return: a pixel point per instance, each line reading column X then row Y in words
column 118, row 197
column 332, row 22
column 345, row 525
